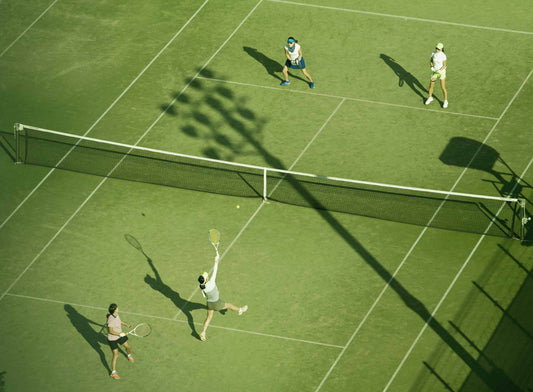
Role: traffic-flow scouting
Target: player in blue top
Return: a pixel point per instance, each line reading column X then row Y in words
column 295, row 60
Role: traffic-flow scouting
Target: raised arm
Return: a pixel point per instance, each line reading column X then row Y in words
column 215, row 269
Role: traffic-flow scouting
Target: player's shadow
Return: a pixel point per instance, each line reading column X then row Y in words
column 94, row 337
column 270, row 65
column 184, row 305
column 469, row 153
column 405, row 77
column 157, row 284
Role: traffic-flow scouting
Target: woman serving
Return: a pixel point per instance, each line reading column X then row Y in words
column 214, row 302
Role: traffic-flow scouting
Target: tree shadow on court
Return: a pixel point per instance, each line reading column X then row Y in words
column 472, row 154
column 247, row 130
column 95, row 338
column 406, row 77
column 157, row 284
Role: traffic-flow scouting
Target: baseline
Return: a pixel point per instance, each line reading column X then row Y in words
column 403, row 17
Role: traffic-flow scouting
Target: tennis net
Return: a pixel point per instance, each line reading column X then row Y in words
column 497, row 216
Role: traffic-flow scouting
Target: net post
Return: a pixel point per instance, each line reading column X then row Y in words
column 524, row 219
column 17, row 128
column 265, row 184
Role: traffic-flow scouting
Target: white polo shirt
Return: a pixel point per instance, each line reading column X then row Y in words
column 438, row 59
column 211, row 290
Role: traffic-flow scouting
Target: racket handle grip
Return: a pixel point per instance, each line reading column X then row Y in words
column 122, row 334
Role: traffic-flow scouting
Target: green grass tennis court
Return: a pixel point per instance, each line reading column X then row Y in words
column 337, row 301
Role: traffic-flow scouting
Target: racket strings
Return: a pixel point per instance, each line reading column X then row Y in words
column 133, row 241
column 142, row 330
column 214, row 236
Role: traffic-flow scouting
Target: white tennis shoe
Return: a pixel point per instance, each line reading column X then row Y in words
column 243, row 309
column 429, row 100
column 445, row 104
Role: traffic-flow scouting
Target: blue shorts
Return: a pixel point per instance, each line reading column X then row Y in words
column 288, row 64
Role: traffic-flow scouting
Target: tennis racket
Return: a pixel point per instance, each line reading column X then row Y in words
column 214, row 238
column 141, row 330
column 136, row 244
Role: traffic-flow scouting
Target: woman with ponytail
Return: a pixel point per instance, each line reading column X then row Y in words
column 214, row 302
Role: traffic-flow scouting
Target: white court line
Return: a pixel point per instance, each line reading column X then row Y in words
column 29, row 27
column 50, row 241
column 263, row 203
column 443, row 111
column 317, row 134
column 105, row 112
column 178, row 321
column 432, row 316
column 420, row 237
column 105, row 179
column 404, row 17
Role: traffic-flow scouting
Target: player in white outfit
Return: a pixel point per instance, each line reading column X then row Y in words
column 438, row 71
column 295, row 60
column 214, row 302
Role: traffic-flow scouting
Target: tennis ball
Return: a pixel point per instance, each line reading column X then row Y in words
column 238, row 206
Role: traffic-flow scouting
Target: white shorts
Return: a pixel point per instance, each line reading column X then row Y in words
column 438, row 75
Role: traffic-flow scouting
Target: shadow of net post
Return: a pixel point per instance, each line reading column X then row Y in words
column 472, row 154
